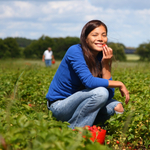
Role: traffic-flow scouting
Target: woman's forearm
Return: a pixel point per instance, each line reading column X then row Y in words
column 106, row 71
column 122, row 88
column 115, row 84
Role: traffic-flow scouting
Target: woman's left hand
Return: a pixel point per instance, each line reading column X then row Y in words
column 107, row 54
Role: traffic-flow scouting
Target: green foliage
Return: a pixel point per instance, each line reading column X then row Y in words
column 27, row 124
column 144, row 51
column 59, row 46
column 25, row 121
column 23, row 42
column 13, row 47
column 132, row 128
column 62, row 44
column 118, row 51
column 27, row 48
column 4, row 50
column 37, row 47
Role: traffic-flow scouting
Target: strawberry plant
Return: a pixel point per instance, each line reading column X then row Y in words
column 27, row 124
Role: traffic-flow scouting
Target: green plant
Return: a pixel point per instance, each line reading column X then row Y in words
column 27, row 124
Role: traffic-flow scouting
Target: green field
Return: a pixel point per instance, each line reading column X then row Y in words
column 26, row 124
column 132, row 57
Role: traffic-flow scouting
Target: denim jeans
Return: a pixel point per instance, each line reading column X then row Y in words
column 48, row 62
column 84, row 107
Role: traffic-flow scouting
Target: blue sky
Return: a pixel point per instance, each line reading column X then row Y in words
column 128, row 21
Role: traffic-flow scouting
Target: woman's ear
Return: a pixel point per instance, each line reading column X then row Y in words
column 86, row 41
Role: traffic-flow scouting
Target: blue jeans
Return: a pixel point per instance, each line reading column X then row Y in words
column 48, row 62
column 84, row 107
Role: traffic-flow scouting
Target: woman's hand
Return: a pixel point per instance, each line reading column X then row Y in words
column 122, row 88
column 106, row 62
column 107, row 54
column 124, row 92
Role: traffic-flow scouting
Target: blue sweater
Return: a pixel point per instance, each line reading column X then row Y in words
column 71, row 74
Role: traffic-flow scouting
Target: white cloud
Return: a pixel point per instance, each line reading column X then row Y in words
column 122, row 4
column 127, row 23
column 5, row 11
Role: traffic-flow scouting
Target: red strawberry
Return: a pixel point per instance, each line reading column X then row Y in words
column 30, row 105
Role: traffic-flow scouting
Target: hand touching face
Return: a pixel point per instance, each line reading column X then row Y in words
column 107, row 54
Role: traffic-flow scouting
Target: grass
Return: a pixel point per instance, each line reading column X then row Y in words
column 23, row 63
column 132, row 57
column 25, row 82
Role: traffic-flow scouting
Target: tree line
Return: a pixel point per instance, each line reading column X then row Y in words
column 27, row 48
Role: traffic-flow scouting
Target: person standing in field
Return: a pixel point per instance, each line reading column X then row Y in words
column 82, row 89
column 48, row 57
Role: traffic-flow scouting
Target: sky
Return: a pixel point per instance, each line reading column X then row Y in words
column 128, row 21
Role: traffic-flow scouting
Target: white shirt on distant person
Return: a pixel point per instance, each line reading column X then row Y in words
column 48, row 54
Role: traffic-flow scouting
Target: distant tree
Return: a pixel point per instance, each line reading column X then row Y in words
column 23, row 42
column 62, row 44
column 120, row 44
column 37, row 47
column 4, row 50
column 144, row 51
column 118, row 51
column 13, row 47
column 59, row 46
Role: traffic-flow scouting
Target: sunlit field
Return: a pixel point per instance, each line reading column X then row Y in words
column 26, row 124
column 132, row 57
column 24, row 62
column 21, row 63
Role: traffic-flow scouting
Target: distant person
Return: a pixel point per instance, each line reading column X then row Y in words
column 82, row 89
column 48, row 57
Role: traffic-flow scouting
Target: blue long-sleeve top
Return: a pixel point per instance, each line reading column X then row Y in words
column 72, row 73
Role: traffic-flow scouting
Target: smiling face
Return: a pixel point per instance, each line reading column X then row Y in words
column 96, row 38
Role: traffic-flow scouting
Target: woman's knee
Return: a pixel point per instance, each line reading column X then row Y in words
column 119, row 108
column 101, row 93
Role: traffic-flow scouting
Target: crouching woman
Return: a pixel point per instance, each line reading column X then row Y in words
column 82, row 89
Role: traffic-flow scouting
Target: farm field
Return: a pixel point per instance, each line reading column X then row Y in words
column 26, row 124
column 132, row 57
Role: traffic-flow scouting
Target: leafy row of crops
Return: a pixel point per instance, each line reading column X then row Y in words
column 27, row 124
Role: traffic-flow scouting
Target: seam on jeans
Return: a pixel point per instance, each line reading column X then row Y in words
column 80, row 113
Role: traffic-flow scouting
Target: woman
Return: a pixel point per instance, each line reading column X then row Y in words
column 82, row 89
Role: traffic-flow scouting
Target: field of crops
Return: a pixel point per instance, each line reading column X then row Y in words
column 132, row 57
column 26, row 124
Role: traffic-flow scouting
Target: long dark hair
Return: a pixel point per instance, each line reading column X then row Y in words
column 92, row 63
